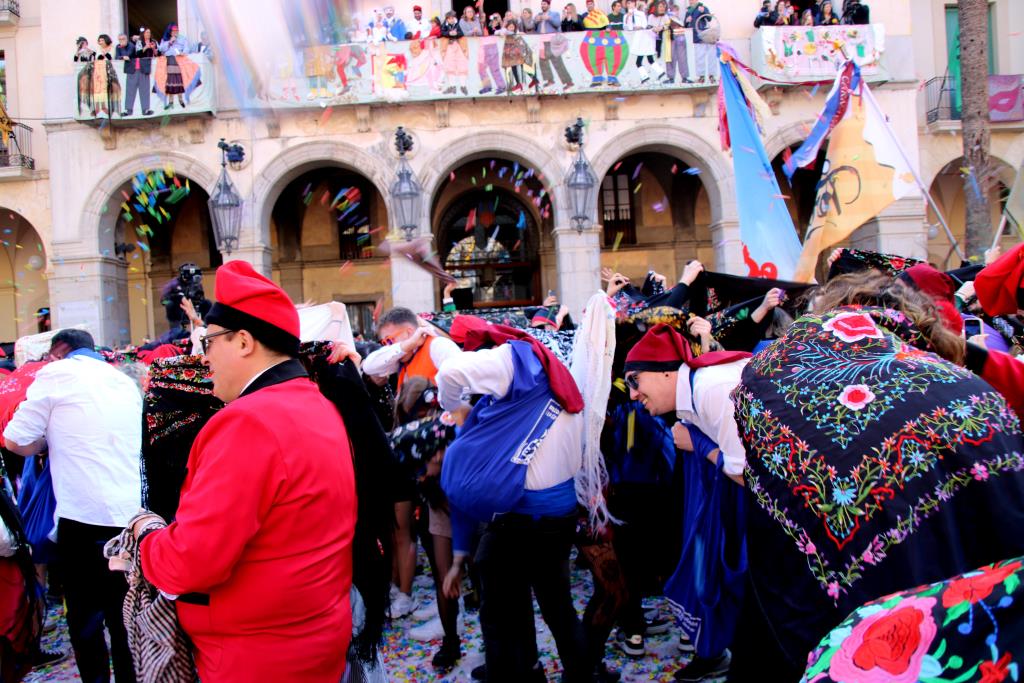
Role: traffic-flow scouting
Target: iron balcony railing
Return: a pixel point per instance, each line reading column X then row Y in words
column 18, row 150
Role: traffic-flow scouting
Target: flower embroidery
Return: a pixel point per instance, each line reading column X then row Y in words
column 887, row 646
column 843, row 494
column 995, row 672
column 852, row 326
column 979, row 471
column 856, row 396
column 977, row 586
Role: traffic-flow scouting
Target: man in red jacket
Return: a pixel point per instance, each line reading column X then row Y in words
column 260, row 554
column 998, row 287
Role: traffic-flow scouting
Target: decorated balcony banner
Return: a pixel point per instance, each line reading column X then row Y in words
column 154, row 87
column 814, row 53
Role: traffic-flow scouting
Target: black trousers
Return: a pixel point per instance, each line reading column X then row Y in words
column 94, row 597
column 517, row 554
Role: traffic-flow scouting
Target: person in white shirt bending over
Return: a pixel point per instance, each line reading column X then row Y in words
column 89, row 415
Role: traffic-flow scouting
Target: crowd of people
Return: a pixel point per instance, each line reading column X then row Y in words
column 99, row 89
column 770, row 457
column 814, row 13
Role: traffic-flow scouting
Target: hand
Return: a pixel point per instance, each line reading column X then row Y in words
column 453, row 579
column 143, row 521
column 616, row 282
column 771, row 300
column 550, row 300
column 979, row 340
column 966, row 291
column 681, row 437
column 699, row 327
column 341, row 351
column 836, row 253
column 691, row 271
column 456, row 417
column 993, row 254
column 190, row 312
column 449, row 288
column 659, row 278
column 415, row 341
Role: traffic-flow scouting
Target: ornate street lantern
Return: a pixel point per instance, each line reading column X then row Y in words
column 225, row 202
column 406, row 191
column 580, row 180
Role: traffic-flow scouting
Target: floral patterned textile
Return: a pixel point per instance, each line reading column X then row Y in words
column 855, row 436
column 855, row 260
column 968, row 628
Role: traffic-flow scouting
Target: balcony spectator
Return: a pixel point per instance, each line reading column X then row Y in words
column 660, row 25
column 766, row 16
column 526, row 22
column 435, row 28
column 123, row 51
column 420, row 26
column 642, row 41
column 145, row 44
column 571, row 20
column 137, row 71
column 783, row 13
column 827, row 16
column 470, row 23
column 807, row 18
column 83, row 53
column 173, row 43
column 594, row 19
column 856, row 13
column 106, row 91
column 616, row 16
column 395, row 26
column 548, row 21
column 178, row 75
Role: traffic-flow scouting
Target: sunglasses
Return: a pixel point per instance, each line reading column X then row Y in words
column 204, row 341
column 388, row 341
column 632, row 381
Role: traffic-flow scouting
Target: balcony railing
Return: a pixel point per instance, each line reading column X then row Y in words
column 1005, row 99
column 151, row 88
column 18, row 150
column 478, row 67
column 802, row 54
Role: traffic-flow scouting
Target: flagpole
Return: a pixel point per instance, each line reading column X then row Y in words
column 999, row 230
column 913, row 169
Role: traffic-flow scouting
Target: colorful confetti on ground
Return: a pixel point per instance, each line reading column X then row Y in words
column 408, row 661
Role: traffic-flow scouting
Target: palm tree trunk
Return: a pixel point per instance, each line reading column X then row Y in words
column 974, row 86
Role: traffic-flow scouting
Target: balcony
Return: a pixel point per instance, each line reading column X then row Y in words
column 489, row 68
column 10, row 13
column 943, row 108
column 811, row 54
column 152, row 89
column 16, row 162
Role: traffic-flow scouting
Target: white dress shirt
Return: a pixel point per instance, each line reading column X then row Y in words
column 91, row 416
column 711, row 410
column 490, row 372
column 387, row 360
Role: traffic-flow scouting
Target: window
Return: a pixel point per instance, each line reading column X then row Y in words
column 616, row 207
column 360, row 315
column 3, row 79
column 155, row 15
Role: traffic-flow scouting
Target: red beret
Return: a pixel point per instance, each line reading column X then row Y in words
column 417, row 8
column 248, row 301
column 998, row 284
column 663, row 349
column 941, row 288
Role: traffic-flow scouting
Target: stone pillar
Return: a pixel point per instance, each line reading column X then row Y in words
column 899, row 229
column 725, row 236
column 411, row 286
column 92, row 292
column 291, row 279
column 258, row 255
column 579, row 266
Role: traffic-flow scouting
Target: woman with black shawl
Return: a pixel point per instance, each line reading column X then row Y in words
column 874, row 463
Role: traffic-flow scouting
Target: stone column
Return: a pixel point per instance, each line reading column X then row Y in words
column 291, row 279
column 258, row 255
column 899, row 229
column 411, row 286
column 725, row 236
column 578, row 257
column 92, row 292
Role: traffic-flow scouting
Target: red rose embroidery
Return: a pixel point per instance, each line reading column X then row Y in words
column 891, row 641
column 995, row 672
column 977, row 587
column 851, row 327
column 898, row 263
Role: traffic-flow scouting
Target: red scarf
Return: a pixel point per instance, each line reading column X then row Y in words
column 474, row 333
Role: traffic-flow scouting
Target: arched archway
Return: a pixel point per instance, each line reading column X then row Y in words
column 493, row 219
column 949, row 192
column 23, row 288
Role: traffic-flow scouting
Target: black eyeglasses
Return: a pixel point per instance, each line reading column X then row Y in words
column 632, row 382
column 204, row 341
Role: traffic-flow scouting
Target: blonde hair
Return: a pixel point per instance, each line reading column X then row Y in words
column 871, row 288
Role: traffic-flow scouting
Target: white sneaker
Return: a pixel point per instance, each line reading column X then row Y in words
column 393, row 593
column 432, row 630
column 402, row 606
column 427, row 612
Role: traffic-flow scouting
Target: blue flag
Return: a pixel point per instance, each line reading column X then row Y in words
column 771, row 247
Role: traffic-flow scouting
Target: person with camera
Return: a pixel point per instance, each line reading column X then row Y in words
column 766, row 16
column 856, row 13
column 185, row 305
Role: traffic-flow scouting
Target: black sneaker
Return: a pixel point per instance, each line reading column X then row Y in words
column 603, row 675
column 449, row 654
column 685, row 645
column 479, row 673
column 657, row 626
column 632, row 645
column 43, row 657
column 705, row 669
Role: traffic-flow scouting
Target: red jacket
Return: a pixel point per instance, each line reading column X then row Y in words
column 264, row 529
column 1004, row 372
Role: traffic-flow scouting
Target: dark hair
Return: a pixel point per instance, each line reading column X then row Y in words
column 398, row 316
column 105, row 38
column 75, row 339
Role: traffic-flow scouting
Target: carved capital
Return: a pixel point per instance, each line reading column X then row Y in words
column 533, row 109
column 363, row 118
column 441, row 112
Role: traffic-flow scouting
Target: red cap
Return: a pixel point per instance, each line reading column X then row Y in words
column 998, row 284
column 663, row 349
column 417, row 8
column 941, row 288
column 248, row 301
